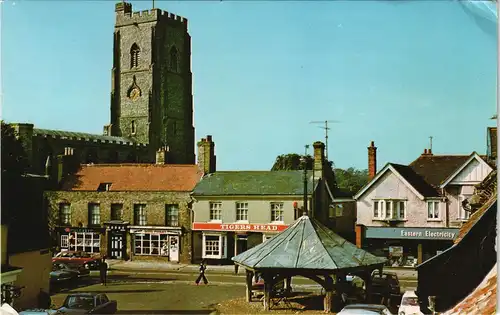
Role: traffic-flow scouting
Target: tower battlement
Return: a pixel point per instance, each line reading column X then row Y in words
column 125, row 16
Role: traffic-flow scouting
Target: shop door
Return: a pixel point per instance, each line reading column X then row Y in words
column 241, row 244
column 116, row 241
column 174, row 248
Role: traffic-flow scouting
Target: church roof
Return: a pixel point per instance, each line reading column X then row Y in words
column 81, row 136
column 307, row 245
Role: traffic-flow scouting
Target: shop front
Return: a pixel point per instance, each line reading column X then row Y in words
column 88, row 240
column 406, row 247
column 219, row 242
column 155, row 243
column 117, row 239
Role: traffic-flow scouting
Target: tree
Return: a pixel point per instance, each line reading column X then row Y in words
column 351, row 179
column 289, row 162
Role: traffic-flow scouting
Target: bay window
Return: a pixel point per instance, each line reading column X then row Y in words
column 214, row 246
column 389, row 209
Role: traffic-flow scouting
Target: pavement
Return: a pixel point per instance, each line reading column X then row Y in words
column 148, row 266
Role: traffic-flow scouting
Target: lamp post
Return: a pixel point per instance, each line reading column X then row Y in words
column 304, row 163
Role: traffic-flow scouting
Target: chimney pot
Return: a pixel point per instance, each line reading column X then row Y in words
column 429, row 152
column 425, row 151
column 209, row 138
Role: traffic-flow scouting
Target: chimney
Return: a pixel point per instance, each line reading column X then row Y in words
column 372, row 160
column 161, row 155
column 206, row 155
column 319, row 158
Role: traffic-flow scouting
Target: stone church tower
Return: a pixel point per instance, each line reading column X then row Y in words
column 151, row 97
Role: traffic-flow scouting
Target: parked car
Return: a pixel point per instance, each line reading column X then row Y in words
column 88, row 303
column 386, row 285
column 80, row 269
column 39, row 311
column 91, row 261
column 364, row 309
column 409, row 304
column 59, row 274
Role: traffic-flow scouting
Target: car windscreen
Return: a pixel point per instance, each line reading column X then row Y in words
column 80, row 302
column 410, row 300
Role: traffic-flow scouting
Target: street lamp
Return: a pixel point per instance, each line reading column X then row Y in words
column 304, row 163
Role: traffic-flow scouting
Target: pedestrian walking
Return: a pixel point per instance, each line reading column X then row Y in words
column 103, row 270
column 203, row 267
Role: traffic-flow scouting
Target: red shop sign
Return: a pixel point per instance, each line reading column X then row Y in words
column 239, row 227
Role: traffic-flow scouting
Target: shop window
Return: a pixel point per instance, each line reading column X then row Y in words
column 87, row 242
column 277, row 213
column 214, row 246
column 242, row 211
column 215, row 211
column 172, row 215
column 94, row 214
column 65, row 213
column 64, row 241
column 433, row 210
column 116, row 211
column 151, row 244
column 140, row 214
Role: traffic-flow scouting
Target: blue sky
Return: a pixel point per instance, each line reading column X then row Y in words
column 395, row 73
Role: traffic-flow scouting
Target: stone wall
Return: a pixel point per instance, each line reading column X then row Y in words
column 155, row 210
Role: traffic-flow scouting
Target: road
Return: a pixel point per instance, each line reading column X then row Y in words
column 150, row 292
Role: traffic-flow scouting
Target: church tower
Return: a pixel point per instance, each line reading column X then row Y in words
column 151, row 97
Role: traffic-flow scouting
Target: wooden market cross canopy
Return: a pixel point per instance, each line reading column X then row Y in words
column 308, row 249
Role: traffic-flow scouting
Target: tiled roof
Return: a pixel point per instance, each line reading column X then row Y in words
column 253, row 183
column 482, row 301
column 135, row 177
column 415, row 180
column 80, row 136
column 485, row 195
column 435, row 169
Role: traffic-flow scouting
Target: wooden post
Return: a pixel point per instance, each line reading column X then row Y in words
column 327, row 301
column 368, row 287
column 267, row 293
column 249, row 276
column 419, row 253
column 288, row 284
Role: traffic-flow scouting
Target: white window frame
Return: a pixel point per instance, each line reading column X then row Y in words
column 140, row 215
column 92, row 215
column 86, row 240
column 277, row 212
column 140, row 239
column 433, row 217
column 65, row 241
column 242, row 212
column 65, row 213
column 215, row 211
column 462, row 214
column 222, row 243
column 389, row 209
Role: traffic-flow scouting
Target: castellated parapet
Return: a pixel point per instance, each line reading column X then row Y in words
column 125, row 16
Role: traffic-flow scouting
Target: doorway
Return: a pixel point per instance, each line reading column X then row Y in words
column 241, row 243
column 116, row 245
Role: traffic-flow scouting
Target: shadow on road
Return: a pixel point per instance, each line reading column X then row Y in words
column 147, row 312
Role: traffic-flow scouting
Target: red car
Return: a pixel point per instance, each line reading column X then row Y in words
column 90, row 262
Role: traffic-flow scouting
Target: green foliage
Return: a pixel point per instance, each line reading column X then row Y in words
column 290, row 162
column 351, row 179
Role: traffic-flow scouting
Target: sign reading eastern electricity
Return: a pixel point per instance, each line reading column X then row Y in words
column 412, row 233
column 239, row 227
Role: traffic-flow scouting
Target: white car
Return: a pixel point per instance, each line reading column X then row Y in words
column 364, row 309
column 409, row 304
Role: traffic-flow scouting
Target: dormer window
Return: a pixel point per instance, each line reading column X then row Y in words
column 104, row 187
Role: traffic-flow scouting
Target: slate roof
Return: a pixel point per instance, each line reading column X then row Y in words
column 415, row 180
column 253, row 183
column 482, row 301
column 435, row 169
column 79, row 136
column 135, row 177
column 307, row 245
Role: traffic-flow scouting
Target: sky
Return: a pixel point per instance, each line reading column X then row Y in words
column 391, row 72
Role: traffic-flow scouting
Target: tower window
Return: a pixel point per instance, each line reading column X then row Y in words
column 135, row 52
column 132, row 127
column 173, row 59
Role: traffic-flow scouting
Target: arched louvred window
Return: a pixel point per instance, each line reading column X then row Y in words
column 174, row 59
column 135, row 53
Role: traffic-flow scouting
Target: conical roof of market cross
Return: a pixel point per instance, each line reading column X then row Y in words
column 309, row 245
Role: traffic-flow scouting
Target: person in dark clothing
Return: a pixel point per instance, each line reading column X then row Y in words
column 44, row 300
column 103, row 270
column 202, row 273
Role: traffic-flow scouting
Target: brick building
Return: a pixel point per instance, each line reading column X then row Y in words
column 126, row 211
column 151, row 99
